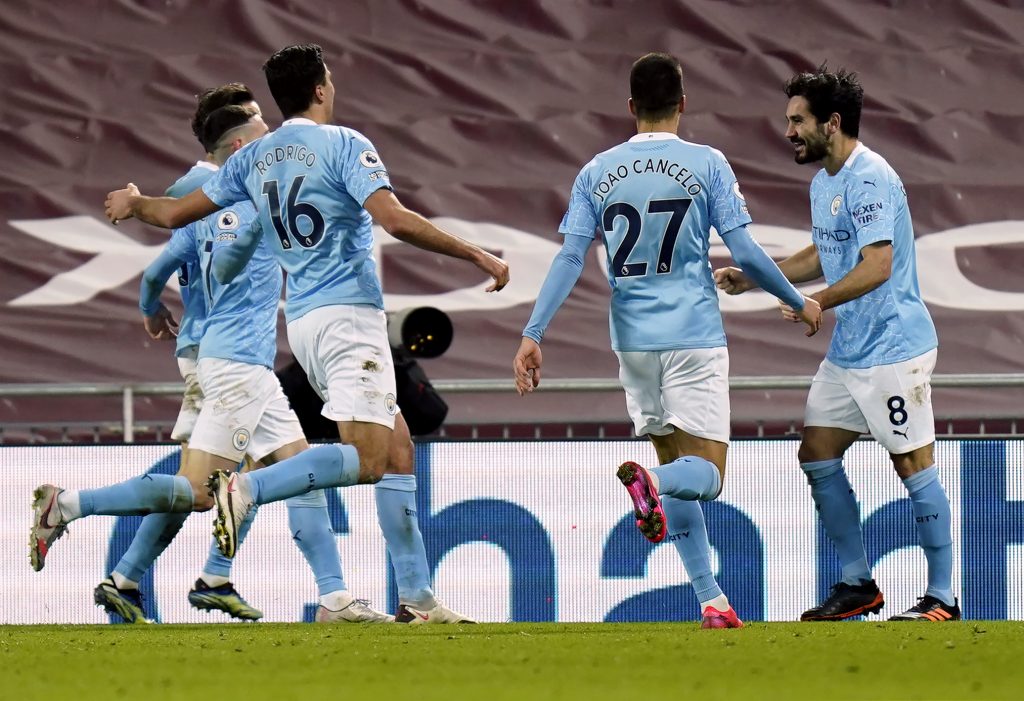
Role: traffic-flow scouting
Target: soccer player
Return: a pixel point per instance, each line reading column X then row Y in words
column 654, row 198
column 238, row 345
column 316, row 187
column 876, row 376
column 119, row 593
column 193, row 303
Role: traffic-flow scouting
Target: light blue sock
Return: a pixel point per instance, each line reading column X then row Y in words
column 932, row 515
column 154, row 535
column 837, row 509
column 310, row 524
column 138, row 496
column 216, row 563
column 396, row 513
column 334, row 465
column 687, row 531
column 689, row 478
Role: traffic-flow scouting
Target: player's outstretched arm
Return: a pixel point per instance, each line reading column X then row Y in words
column 762, row 270
column 410, row 227
column 165, row 212
column 874, row 269
column 803, row 266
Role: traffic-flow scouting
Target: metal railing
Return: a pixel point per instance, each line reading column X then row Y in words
column 128, row 391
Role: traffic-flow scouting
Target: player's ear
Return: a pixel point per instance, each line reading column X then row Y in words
column 632, row 106
column 682, row 104
column 833, row 123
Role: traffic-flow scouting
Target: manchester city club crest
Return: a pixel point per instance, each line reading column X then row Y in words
column 836, row 204
column 240, row 439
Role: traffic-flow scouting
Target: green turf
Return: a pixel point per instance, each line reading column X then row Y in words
column 675, row 662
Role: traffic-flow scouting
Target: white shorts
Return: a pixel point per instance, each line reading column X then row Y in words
column 891, row 402
column 191, row 401
column 686, row 389
column 345, row 352
column 245, row 411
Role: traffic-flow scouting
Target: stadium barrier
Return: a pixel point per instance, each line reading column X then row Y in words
column 129, row 392
column 541, row 531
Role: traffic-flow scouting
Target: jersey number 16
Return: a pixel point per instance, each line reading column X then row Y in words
column 293, row 212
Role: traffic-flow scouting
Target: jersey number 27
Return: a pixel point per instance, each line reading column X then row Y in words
column 634, row 225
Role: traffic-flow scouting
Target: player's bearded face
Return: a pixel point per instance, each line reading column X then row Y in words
column 811, row 144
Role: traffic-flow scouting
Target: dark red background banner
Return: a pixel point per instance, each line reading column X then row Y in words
column 484, row 112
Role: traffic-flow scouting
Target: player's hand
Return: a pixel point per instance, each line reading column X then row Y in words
column 493, row 266
column 527, row 366
column 732, row 281
column 161, row 326
column 118, row 204
column 810, row 315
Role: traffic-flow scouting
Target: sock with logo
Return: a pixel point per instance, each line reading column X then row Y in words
column 217, row 570
column 689, row 534
column 396, row 513
column 154, row 535
column 310, row 524
column 138, row 496
column 320, row 467
column 932, row 515
column 689, row 477
column 837, row 509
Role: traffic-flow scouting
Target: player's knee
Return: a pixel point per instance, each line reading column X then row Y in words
column 202, row 501
column 400, row 460
column 808, row 452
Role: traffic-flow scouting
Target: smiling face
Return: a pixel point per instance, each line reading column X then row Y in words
column 809, row 136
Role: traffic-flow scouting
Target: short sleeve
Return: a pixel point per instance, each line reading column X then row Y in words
column 363, row 171
column 726, row 204
column 227, row 186
column 581, row 217
column 870, row 204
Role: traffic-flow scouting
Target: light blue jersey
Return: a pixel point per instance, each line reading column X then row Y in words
column 189, row 282
column 655, row 198
column 864, row 203
column 241, row 317
column 309, row 183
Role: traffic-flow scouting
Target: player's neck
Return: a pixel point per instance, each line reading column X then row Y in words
column 314, row 114
column 668, row 126
column 841, row 149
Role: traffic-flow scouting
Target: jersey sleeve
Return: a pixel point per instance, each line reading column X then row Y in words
column 180, row 250
column 182, row 245
column 871, row 206
column 581, row 217
column 236, row 234
column 227, row 185
column 362, row 170
column 726, row 204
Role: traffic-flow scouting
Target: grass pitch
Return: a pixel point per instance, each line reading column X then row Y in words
column 969, row 660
